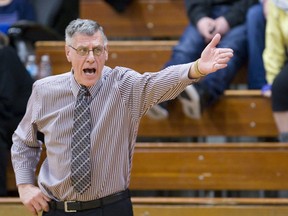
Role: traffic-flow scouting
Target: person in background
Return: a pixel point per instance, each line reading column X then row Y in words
column 15, row 89
column 256, row 22
column 119, row 5
column 207, row 18
column 112, row 102
column 276, row 64
column 56, row 14
column 12, row 11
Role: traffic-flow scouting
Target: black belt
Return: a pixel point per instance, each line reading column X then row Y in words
column 74, row 206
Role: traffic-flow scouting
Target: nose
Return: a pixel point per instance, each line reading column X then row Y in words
column 90, row 56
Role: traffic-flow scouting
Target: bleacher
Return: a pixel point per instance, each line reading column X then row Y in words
column 142, row 38
column 152, row 19
column 201, row 166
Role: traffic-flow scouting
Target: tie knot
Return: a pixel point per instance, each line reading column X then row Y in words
column 83, row 92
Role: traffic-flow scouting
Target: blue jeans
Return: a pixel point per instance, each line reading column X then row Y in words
column 191, row 44
column 256, row 22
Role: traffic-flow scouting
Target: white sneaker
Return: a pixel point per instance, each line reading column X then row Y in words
column 191, row 102
column 157, row 112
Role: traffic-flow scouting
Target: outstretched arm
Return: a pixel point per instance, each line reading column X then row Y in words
column 211, row 60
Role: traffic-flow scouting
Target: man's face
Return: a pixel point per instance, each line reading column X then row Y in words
column 87, row 66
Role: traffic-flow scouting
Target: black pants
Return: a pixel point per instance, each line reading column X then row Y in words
column 3, row 170
column 279, row 91
column 120, row 208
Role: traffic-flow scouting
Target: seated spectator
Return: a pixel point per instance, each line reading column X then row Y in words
column 256, row 22
column 119, row 5
column 15, row 89
column 12, row 11
column 275, row 58
column 208, row 17
column 56, row 14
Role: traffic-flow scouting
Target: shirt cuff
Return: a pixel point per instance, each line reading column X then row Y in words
column 184, row 71
column 25, row 176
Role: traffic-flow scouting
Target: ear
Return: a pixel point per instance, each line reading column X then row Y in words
column 106, row 53
column 67, row 52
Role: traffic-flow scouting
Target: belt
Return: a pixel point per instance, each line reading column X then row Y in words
column 74, row 206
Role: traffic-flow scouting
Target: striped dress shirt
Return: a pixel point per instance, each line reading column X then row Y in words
column 119, row 100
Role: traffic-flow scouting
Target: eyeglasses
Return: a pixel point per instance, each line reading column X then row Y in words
column 84, row 51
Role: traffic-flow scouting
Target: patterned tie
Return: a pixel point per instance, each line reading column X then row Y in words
column 80, row 165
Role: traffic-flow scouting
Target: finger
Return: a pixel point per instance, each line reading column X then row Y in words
column 225, row 56
column 44, row 205
column 32, row 210
column 215, row 40
column 46, row 198
column 223, row 60
column 220, row 66
column 37, row 206
column 224, row 50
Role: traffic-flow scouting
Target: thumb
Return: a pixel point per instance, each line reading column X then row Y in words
column 214, row 42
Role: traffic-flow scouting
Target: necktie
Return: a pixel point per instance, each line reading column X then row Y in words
column 80, row 164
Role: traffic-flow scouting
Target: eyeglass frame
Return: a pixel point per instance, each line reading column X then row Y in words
column 88, row 51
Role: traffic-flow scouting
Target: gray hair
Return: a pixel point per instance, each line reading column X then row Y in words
column 83, row 26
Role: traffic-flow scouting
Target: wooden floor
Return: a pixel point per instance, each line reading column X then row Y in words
column 184, row 207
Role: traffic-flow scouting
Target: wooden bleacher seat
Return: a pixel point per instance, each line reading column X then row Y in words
column 233, row 166
column 214, row 166
column 238, row 113
column 142, row 19
column 203, row 166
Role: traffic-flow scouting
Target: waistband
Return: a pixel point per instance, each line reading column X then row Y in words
column 75, row 206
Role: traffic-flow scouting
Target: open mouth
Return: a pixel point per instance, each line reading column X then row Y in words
column 89, row 70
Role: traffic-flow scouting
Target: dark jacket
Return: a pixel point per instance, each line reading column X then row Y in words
column 196, row 9
column 15, row 89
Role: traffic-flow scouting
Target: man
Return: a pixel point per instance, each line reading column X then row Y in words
column 15, row 89
column 117, row 99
